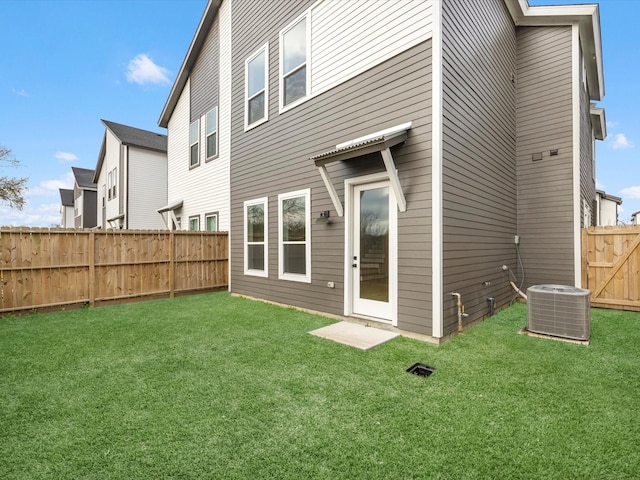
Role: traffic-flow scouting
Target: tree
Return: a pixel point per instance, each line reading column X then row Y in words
column 12, row 189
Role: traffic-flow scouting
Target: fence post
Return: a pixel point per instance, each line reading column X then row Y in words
column 172, row 254
column 92, row 268
column 585, row 259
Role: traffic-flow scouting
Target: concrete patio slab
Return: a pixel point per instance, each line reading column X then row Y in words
column 355, row 335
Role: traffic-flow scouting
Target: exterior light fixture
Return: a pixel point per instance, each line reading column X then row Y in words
column 324, row 217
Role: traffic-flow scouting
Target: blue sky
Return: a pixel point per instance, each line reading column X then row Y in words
column 66, row 64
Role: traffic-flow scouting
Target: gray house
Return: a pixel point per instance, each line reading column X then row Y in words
column 67, row 211
column 84, row 198
column 385, row 156
column 131, row 176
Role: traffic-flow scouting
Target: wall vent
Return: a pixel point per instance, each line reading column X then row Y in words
column 559, row 310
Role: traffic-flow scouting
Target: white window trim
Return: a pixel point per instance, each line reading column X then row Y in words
column 307, row 18
column 265, row 49
column 109, row 183
column 191, row 144
column 194, row 217
column 282, row 275
column 115, row 182
column 257, row 273
column 206, row 135
column 209, row 215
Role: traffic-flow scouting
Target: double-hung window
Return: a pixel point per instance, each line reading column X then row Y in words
column 294, row 56
column 256, row 88
column 194, row 223
column 212, row 133
column 256, row 242
column 194, row 144
column 211, row 222
column 294, row 236
column 115, row 182
column 110, row 183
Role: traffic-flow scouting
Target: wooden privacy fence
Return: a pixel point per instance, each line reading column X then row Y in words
column 57, row 267
column 611, row 266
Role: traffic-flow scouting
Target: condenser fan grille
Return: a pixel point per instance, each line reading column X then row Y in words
column 559, row 310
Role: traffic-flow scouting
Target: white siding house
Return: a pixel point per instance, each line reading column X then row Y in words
column 66, row 208
column 199, row 134
column 606, row 209
column 131, row 178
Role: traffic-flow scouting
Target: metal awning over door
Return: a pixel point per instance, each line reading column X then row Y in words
column 376, row 142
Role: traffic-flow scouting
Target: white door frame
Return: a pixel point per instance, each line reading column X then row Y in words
column 349, row 185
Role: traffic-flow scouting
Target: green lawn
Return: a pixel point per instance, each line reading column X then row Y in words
column 213, row 386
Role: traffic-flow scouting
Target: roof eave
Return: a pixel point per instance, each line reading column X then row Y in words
column 587, row 17
column 209, row 15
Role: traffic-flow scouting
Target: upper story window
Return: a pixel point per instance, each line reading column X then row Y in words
column 294, row 55
column 115, row 183
column 110, row 183
column 194, row 144
column 256, row 88
column 212, row 133
column 194, row 223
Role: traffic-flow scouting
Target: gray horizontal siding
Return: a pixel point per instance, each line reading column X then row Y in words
column 587, row 174
column 479, row 173
column 273, row 158
column 205, row 74
column 544, row 122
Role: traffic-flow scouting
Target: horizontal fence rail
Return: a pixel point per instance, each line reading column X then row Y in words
column 42, row 268
column 611, row 266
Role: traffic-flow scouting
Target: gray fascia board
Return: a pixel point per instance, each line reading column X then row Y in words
column 210, row 13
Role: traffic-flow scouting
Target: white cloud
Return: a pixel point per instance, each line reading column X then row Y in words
column 631, row 192
column 20, row 93
column 66, row 156
column 621, row 142
column 142, row 70
column 49, row 188
column 41, row 215
column 612, row 124
column 600, row 186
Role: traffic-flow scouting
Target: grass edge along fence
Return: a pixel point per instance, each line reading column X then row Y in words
column 49, row 268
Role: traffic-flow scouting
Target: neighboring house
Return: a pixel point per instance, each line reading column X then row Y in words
column 84, row 198
column 197, row 116
column 606, row 207
column 635, row 218
column 131, row 174
column 385, row 155
column 66, row 208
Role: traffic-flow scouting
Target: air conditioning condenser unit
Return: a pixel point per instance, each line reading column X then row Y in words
column 559, row 310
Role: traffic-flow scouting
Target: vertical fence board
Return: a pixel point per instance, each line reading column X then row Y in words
column 611, row 263
column 45, row 268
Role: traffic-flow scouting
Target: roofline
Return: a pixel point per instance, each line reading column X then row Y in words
column 101, row 156
column 587, row 17
column 599, row 122
column 606, row 196
column 209, row 15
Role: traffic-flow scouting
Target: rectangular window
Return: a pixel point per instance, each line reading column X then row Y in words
column 294, row 55
column 194, row 223
column 256, row 88
column 256, row 237
column 194, row 144
column 211, row 222
column 115, row 182
column 294, row 232
column 212, row 133
column 110, row 183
